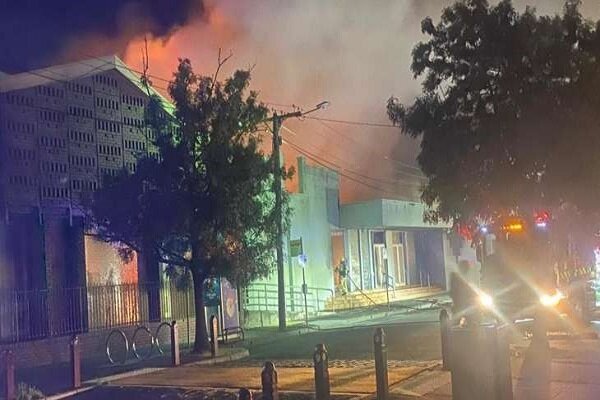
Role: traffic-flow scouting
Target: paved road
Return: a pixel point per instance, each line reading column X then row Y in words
column 405, row 341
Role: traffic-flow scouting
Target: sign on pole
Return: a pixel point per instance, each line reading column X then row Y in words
column 302, row 259
column 295, row 247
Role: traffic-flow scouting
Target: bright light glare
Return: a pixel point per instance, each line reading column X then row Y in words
column 551, row 301
column 484, row 229
column 486, row 300
column 541, row 225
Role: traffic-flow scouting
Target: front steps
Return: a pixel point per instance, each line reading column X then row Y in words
column 369, row 298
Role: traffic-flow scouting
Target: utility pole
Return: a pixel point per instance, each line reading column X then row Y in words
column 278, row 189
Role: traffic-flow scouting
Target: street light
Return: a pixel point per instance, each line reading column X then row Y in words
column 277, row 188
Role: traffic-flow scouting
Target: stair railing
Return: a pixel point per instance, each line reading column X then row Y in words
column 361, row 291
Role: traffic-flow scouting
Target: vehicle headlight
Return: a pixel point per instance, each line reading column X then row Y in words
column 486, row 300
column 551, row 300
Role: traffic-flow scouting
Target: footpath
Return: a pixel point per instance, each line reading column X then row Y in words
column 569, row 370
column 347, row 378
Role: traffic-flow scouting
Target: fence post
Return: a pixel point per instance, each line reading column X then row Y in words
column 10, row 389
column 175, row 360
column 214, row 336
column 318, row 308
column 75, row 362
column 268, row 379
column 321, row 361
column 266, row 297
column 444, row 334
column 381, row 367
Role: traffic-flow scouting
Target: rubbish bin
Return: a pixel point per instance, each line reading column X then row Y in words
column 480, row 363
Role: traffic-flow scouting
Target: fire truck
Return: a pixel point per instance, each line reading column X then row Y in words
column 525, row 273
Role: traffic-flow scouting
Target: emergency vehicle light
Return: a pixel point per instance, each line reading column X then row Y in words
column 514, row 227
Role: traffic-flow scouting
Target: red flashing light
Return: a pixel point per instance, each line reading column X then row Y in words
column 542, row 218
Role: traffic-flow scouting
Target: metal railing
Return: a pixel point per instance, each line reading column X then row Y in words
column 362, row 293
column 262, row 297
column 38, row 314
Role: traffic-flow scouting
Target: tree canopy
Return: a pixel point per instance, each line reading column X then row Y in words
column 509, row 115
column 205, row 204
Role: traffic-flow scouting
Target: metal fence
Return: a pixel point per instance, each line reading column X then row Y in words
column 43, row 313
column 262, row 297
column 38, row 314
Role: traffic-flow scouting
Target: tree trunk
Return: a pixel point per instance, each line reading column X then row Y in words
column 201, row 343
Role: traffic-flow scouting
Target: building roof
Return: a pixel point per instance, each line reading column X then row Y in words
column 73, row 71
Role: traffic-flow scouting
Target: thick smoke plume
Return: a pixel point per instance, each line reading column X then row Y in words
column 354, row 54
column 34, row 33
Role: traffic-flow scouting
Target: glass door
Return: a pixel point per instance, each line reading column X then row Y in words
column 398, row 254
column 379, row 264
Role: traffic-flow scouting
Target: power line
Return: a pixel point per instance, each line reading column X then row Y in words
column 323, row 163
column 391, row 160
column 340, row 168
column 358, row 123
column 380, row 180
column 125, row 66
column 85, row 75
column 297, row 147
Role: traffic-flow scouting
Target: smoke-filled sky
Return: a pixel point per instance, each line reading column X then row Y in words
column 356, row 54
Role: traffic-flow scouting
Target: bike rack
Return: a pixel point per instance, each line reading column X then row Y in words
column 134, row 349
column 156, row 335
column 120, row 333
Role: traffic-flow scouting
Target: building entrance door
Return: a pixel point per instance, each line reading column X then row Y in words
column 398, row 255
column 379, row 264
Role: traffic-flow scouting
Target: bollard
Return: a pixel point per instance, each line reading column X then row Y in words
column 214, row 336
column 268, row 379
column 8, row 361
column 381, row 367
column 445, row 335
column 75, row 362
column 175, row 360
column 245, row 394
column 321, row 360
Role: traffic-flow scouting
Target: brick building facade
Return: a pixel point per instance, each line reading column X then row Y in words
column 62, row 129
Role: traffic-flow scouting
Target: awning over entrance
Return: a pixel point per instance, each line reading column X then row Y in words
column 385, row 213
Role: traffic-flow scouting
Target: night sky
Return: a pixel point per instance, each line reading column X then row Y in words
column 36, row 33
